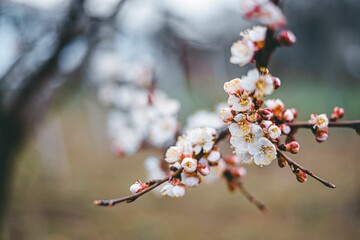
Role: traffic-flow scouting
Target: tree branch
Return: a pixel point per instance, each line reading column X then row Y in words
column 308, row 172
column 355, row 124
column 133, row 197
column 251, row 197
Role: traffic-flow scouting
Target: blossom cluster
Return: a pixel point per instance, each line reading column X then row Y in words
column 139, row 114
column 196, row 155
column 255, row 131
column 137, row 121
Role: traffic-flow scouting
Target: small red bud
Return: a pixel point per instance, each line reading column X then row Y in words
column 259, row 102
column 300, row 175
column 267, row 113
column 286, row 38
column 337, row 113
column 293, row 147
column 294, row 111
column 322, row 134
column 277, row 82
column 281, row 161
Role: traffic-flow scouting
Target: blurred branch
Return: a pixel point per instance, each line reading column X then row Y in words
column 31, row 100
column 251, row 197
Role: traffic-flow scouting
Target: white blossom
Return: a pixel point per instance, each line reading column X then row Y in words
column 242, row 103
column 274, row 103
column 167, row 190
column 242, row 127
column 289, row 115
column 204, row 119
column 226, row 114
column 232, row 86
column 242, row 143
column 178, row 191
column 257, row 33
column 244, row 157
column 189, row 180
column 320, row 121
column 242, row 52
column 173, row 154
column 185, row 145
column 135, row 188
column 261, row 84
column 189, row 164
column 172, row 191
column 274, row 131
column 264, row 152
column 162, row 131
column 201, row 138
column 213, row 156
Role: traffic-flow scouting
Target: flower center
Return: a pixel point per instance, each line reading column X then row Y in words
column 249, row 138
column 244, row 101
column 260, row 85
column 320, row 121
column 265, row 150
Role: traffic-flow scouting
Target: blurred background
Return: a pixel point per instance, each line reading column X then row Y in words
column 56, row 157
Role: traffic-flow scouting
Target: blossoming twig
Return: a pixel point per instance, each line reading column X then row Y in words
column 346, row 124
column 295, row 165
column 221, row 134
column 131, row 198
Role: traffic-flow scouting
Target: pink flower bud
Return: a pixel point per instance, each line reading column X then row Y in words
column 259, row 102
column 300, row 175
column 322, row 134
column 277, row 82
column 266, row 124
column 285, row 128
column 337, row 113
column 288, row 115
column 294, row 112
column 286, row 38
column 292, row 147
column 267, row 113
column 203, row 169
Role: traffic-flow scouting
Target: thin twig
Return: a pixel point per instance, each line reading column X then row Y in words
column 251, row 197
column 308, row 172
column 133, row 197
column 355, row 124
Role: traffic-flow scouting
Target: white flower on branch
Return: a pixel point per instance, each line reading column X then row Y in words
column 262, row 84
column 201, row 138
column 242, row 52
column 242, row 143
column 189, row 164
column 172, row 191
column 241, row 103
column 319, row 121
column 264, row 152
column 173, row 154
column 242, row 127
column 274, row 131
column 232, row 86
